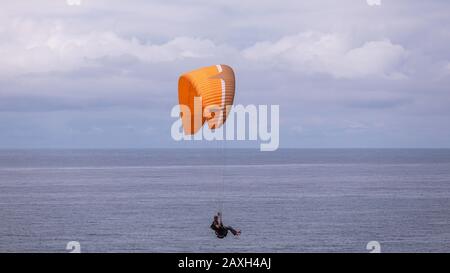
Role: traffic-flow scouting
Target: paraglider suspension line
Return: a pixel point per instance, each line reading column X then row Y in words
column 224, row 158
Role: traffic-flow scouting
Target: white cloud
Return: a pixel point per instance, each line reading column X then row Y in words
column 41, row 47
column 73, row 2
column 334, row 54
column 36, row 46
column 373, row 2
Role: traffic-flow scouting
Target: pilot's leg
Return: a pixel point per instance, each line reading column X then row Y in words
column 235, row 232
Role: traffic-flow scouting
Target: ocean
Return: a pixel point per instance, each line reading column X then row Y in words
column 163, row 200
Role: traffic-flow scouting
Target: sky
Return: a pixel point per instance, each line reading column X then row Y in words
column 104, row 73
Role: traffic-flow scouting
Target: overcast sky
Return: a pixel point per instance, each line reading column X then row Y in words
column 104, row 74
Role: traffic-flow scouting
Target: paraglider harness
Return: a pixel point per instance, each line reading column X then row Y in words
column 221, row 231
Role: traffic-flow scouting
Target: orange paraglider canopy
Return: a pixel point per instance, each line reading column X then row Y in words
column 215, row 85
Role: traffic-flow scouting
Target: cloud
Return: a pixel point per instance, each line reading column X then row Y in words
column 333, row 54
column 382, row 103
column 373, row 2
column 42, row 47
column 114, row 65
column 31, row 46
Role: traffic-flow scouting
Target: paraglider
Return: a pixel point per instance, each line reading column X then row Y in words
column 213, row 88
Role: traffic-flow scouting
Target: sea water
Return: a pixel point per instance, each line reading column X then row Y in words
column 163, row 200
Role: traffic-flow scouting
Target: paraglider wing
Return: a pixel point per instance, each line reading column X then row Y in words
column 215, row 85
